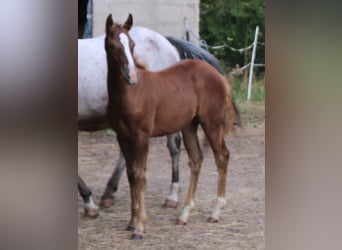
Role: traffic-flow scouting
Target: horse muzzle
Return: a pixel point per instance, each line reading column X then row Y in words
column 131, row 76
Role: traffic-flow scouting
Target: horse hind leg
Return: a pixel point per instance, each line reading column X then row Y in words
column 195, row 156
column 221, row 153
column 107, row 199
column 173, row 144
column 90, row 209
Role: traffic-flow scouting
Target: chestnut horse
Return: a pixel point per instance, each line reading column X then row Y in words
column 155, row 53
column 144, row 104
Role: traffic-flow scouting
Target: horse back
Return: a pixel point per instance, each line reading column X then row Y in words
column 201, row 77
column 214, row 95
column 185, row 90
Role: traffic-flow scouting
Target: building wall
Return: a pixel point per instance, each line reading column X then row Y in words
column 164, row 16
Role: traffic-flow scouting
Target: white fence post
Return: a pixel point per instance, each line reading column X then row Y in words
column 252, row 64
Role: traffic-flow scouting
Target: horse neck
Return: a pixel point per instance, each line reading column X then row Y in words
column 115, row 78
column 116, row 83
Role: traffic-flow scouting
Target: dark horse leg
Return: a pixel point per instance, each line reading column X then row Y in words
column 107, row 198
column 90, row 209
column 173, row 144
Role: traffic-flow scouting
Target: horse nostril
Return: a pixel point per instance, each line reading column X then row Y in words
column 126, row 74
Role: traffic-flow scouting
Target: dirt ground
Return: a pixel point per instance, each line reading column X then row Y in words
column 242, row 222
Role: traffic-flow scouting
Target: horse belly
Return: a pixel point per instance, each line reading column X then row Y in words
column 91, row 102
column 174, row 117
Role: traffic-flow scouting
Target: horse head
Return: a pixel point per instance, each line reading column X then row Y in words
column 119, row 48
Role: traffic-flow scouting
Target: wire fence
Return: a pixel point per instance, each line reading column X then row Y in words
column 252, row 46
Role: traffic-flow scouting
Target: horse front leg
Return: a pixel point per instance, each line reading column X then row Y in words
column 134, row 203
column 173, row 144
column 107, row 199
column 136, row 158
column 138, row 189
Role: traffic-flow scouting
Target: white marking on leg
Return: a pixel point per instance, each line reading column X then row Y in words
column 90, row 204
column 220, row 203
column 186, row 211
column 133, row 74
column 174, row 192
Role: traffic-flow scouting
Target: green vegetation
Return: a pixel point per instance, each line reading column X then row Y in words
column 233, row 22
column 109, row 132
column 240, row 89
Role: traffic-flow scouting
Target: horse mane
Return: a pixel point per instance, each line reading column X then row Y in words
column 188, row 50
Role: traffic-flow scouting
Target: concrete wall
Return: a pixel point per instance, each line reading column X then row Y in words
column 164, row 16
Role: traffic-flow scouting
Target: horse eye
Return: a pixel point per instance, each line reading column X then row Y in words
column 111, row 46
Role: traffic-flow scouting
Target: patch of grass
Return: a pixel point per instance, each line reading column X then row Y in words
column 240, row 90
column 109, row 132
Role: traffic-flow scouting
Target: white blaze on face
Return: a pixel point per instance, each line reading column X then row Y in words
column 133, row 75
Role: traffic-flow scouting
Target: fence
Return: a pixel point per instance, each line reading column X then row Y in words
column 252, row 46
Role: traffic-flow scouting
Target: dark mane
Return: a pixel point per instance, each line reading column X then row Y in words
column 188, row 50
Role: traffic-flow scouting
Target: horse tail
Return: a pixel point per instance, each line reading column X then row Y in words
column 230, row 107
column 229, row 117
column 237, row 119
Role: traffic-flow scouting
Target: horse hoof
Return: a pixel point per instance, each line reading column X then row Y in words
column 91, row 213
column 180, row 222
column 170, row 203
column 136, row 237
column 105, row 203
column 212, row 220
column 130, row 228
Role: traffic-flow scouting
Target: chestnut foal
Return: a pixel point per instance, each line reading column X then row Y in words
column 144, row 104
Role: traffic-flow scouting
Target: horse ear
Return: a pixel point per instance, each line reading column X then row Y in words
column 109, row 23
column 129, row 22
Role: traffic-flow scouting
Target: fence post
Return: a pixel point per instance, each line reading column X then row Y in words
column 252, row 64
column 186, row 29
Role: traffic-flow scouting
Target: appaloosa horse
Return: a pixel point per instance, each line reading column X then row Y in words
column 144, row 104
